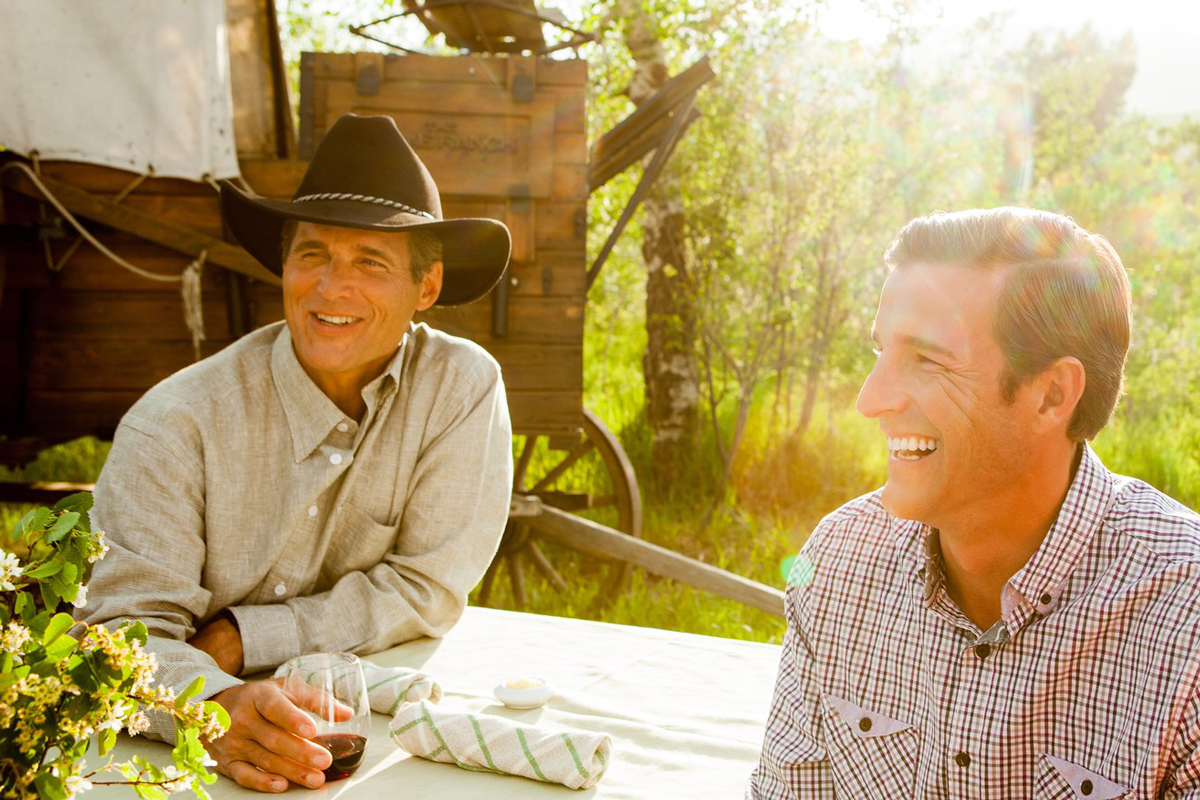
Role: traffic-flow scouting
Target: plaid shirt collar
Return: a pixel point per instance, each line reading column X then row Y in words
column 1043, row 584
column 311, row 415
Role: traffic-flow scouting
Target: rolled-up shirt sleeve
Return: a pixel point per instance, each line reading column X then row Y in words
column 150, row 504
column 454, row 514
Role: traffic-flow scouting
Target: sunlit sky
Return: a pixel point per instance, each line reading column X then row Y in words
column 1167, row 34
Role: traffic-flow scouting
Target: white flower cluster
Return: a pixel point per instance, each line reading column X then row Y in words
column 10, row 570
column 14, row 638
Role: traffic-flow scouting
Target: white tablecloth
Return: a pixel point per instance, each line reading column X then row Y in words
column 686, row 712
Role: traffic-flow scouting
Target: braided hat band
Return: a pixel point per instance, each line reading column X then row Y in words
column 362, row 198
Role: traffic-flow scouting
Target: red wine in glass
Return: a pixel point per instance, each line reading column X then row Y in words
column 347, row 750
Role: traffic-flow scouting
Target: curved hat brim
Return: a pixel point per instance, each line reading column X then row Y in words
column 474, row 251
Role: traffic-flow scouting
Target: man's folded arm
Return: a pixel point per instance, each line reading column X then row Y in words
column 149, row 503
column 450, row 527
column 793, row 765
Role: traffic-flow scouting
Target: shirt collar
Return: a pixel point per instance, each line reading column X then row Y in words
column 1041, row 582
column 311, row 415
column 1038, row 586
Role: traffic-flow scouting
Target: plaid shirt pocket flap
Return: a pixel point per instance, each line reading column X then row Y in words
column 865, row 724
column 1059, row 779
column 871, row 755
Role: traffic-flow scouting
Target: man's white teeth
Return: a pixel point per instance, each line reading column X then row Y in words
column 911, row 444
column 335, row 320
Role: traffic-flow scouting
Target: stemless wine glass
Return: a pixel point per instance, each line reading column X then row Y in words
column 331, row 689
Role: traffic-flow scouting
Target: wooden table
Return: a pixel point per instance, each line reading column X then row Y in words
column 686, row 712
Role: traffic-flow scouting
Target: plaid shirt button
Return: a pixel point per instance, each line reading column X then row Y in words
column 963, row 760
column 983, row 650
column 1085, row 788
column 864, row 724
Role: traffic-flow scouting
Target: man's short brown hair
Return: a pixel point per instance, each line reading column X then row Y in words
column 424, row 248
column 1065, row 293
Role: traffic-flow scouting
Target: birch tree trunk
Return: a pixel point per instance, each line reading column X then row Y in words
column 669, row 365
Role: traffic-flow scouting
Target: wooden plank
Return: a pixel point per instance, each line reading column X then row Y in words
column 125, row 316
column 571, row 115
column 251, row 77
column 146, row 226
column 570, row 148
column 10, row 317
column 545, row 412
column 89, row 270
column 561, row 226
column 567, row 72
column 544, row 320
column 426, row 69
column 42, row 493
column 110, row 181
column 594, row 539
column 475, row 140
column 569, row 182
column 201, row 215
column 539, row 367
column 62, row 415
column 555, row 274
column 100, row 364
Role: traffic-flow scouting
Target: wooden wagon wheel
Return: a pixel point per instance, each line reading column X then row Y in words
column 594, row 479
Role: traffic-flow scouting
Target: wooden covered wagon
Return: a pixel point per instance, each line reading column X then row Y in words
column 83, row 335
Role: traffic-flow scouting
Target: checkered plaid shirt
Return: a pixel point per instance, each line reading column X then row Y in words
column 1087, row 687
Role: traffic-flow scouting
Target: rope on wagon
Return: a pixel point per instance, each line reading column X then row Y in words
column 189, row 279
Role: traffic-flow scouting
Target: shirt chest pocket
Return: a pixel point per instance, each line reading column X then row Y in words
column 870, row 755
column 357, row 542
column 1059, row 779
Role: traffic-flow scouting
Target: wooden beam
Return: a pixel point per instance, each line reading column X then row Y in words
column 627, row 141
column 594, row 539
column 145, row 226
column 40, row 493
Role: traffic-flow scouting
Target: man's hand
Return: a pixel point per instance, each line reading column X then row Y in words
column 221, row 640
column 268, row 741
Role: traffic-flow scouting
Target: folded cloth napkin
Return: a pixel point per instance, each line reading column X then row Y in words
column 390, row 687
column 484, row 743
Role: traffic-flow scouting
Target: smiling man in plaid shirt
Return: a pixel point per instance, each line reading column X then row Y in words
column 1005, row 618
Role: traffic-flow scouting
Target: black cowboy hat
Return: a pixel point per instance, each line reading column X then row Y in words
column 366, row 175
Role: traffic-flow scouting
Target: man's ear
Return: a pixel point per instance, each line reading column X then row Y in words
column 1060, row 386
column 431, row 286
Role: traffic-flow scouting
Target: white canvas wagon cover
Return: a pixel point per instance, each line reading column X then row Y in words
column 132, row 84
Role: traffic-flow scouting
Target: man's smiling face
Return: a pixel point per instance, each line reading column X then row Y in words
column 956, row 446
column 348, row 297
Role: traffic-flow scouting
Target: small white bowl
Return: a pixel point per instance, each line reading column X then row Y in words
column 524, row 698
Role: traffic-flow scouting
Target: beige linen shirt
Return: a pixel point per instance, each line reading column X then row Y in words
column 237, row 483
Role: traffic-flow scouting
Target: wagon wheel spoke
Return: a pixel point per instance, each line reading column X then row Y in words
column 543, row 564
column 489, row 577
column 515, row 573
column 592, row 477
column 579, row 451
column 522, row 465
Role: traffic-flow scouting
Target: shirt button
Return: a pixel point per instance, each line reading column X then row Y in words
column 864, row 724
column 335, row 459
column 343, row 427
column 983, row 650
column 1046, row 599
column 312, row 511
column 963, row 760
column 280, row 589
column 1085, row 788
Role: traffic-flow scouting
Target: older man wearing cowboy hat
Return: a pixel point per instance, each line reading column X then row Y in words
column 338, row 481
